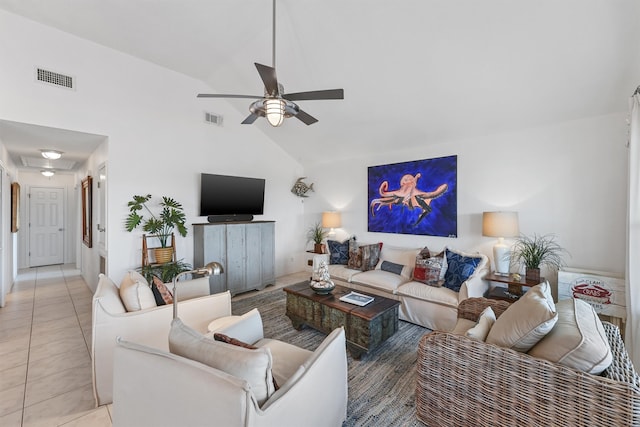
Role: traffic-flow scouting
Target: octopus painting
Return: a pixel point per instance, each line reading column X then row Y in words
column 408, row 195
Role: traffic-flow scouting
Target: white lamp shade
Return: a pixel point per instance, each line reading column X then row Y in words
column 331, row 219
column 500, row 224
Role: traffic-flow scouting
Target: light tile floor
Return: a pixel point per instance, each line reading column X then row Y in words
column 45, row 344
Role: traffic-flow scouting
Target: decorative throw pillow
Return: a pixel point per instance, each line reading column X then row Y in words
column 577, row 340
column 161, row 293
column 247, row 328
column 338, row 252
column 424, row 253
column 391, row 267
column 225, row 338
column 526, row 321
column 363, row 257
column 157, row 296
column 136, row 294
column 253, row 366
column 459, row 269
column 402, row 256
column 133, row 276
column 482, row 328
column 353, row 262
column 428, row 271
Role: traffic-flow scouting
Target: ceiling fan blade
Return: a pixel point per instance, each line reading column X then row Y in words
column 315, row 94
column 220, row 95
column 268, row 76
column 250, row 119
column 306, row 118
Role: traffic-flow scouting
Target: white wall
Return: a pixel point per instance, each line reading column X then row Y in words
column 568, row 179
column 158, row 142
column 8, row 240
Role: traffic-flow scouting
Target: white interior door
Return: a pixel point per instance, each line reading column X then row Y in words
column 46, row 226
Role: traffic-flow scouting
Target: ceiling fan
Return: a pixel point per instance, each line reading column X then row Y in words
column 276, row 105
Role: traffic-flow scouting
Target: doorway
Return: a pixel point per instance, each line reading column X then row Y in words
column 46, row 226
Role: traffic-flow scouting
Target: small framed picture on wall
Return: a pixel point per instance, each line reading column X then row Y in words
column 87, row 183
column 15, row 207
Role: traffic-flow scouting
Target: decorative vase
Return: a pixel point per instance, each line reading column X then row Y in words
column 317, row 248
column 532, row 274
column 163, row 255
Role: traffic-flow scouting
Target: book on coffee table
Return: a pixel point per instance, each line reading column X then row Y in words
column 357, row 299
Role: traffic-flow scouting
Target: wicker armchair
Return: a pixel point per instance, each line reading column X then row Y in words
column 462, row 382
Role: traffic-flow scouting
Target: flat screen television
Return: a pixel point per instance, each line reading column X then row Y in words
column 222, row 195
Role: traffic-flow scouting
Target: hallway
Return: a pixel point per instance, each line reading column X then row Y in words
column 45, row 342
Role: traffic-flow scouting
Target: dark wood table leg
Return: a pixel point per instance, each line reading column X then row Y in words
column 297, row 323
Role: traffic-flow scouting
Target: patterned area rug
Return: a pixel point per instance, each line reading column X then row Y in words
column 381, row 384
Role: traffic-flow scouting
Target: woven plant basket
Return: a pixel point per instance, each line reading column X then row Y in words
column 163, row 255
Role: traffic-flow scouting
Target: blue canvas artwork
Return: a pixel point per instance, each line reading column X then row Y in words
column 417, row 197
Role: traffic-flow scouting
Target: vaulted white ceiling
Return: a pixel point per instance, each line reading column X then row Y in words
column 414, row 72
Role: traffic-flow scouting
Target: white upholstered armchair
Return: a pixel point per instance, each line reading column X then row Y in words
column 153, row 387
column 149, row 326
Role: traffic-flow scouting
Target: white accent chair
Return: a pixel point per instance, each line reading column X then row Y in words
column 156, row 388
column 149, row 326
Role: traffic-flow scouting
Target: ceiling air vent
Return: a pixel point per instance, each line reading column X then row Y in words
column 53, row 78
column 214, row 119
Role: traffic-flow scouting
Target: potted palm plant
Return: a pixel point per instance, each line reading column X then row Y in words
column 171, row 217
column 536, row 252
column 316, row 234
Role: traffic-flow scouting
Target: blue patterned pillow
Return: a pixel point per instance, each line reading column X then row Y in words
column 459, row 269
column 338, row 252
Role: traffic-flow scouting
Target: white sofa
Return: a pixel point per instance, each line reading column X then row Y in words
column 148, row 326
column 435, row 308
column 156, row 388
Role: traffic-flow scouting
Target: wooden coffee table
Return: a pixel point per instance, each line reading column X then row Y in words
column 365, row 327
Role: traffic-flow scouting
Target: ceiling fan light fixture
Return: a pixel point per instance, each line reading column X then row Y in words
column 274, row 110
column 48, row 172
column 51, row 154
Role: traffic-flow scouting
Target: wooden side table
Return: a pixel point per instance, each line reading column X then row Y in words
column 515, row 285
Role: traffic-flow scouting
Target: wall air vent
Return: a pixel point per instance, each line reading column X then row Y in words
column 53, row 78
column 214, row 119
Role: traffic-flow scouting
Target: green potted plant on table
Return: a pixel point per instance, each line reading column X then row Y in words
column 161, row 225
column 536, row 252
column 316, row 234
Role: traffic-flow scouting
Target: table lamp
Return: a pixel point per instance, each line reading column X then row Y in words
column 500, row 225
column 213, row 267
column 331, row 220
